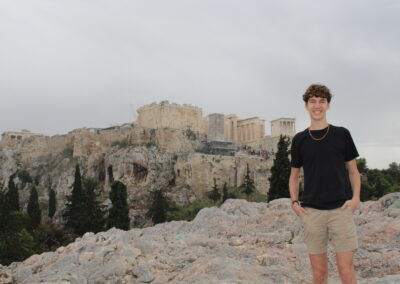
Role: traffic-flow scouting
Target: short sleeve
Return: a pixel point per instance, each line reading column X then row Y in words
column 296, row 161
column 351, row 150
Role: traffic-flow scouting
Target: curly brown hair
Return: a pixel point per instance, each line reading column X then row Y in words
column 319, row 91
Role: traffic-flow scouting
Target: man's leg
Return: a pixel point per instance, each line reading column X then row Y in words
column 319, row 265
column 346, row 267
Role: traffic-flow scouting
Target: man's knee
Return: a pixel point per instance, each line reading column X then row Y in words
column 347, row 274
column 320, row 275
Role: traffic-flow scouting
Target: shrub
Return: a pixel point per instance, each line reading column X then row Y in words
column 121, row 143
column 176, row 212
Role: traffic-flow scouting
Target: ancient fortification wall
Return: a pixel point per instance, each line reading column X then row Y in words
column 164, row 114
column 84, row 142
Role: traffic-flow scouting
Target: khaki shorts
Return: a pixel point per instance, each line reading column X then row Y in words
column 336, row 224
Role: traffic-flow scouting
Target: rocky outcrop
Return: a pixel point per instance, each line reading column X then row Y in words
column 143, row 159
column 8, row 166
column 240, row 242
column 199, row 171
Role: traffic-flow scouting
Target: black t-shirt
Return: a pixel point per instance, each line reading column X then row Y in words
column 326, row 180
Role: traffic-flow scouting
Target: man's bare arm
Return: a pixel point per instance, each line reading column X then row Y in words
column 294, row 191
column 355, row 181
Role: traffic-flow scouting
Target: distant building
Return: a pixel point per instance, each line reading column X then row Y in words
column 11, row 139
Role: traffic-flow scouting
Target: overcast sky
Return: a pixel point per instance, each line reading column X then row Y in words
column 72, row 64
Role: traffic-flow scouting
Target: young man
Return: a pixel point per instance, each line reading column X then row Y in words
column 331, row 187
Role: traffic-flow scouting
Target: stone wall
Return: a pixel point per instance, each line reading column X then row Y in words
column 216, row 127
column 172, row 115
column 84, row 142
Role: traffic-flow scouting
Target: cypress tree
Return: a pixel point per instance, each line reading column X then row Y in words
column 248, row 185
column 52, row 202
column 118, row 216
column 12, row 196
column 34, row 211
column 280, row 171
column 158, row 209
column 224, row 193
column 93, row 210
column 214, row 194
column 75, row 207
column 3, row 210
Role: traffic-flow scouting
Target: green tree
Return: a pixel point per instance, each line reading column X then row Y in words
column 3, row 211
column 362, row 165
column 248, row 185
column 395, row 188
column 280, row 171
column 12, row 196
column 367, row 191
column 393, row 173
column 24, row 176
column 382, row 187
column 93, row 208
column 16, row 243
column 34, row 211
column 214, row 194
column 158, row 209
column 224, row 193
column 74, row 215
column 118, row 216
column 52, row 202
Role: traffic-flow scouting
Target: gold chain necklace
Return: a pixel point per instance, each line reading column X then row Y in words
column 318, row 139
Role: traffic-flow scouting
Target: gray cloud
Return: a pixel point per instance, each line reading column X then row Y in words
column 69, row 64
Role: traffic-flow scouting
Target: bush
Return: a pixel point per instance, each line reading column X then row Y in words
column 190, row 134
column 151, row 144
column 121, row 143
column 68, row 151
column 176, row 212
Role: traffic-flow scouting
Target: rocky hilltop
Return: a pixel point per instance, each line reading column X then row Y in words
column 240, row 242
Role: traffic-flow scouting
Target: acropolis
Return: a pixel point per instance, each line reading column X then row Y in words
column 242, row 131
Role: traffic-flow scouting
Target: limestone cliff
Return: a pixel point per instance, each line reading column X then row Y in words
column 142, row 158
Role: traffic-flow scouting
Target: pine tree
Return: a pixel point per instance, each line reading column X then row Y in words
column 3, row 211
column 34, row 211
column 224, row 193
column 248, row 185
column 118, row 216
column 12, row 196
column 75, row 208
column 52, row 202
column 214, row 194
column 280, row 171
column 96, row 221
column 158, row 209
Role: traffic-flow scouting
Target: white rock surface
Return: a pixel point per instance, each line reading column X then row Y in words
column 241, row 242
